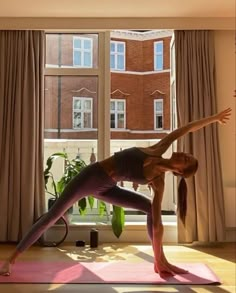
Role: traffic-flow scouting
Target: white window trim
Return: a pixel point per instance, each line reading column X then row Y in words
column 117, row 112
column 156, row 113
column 158, row 54
column 82, row 111
column 103, row 75
column 82, row 50
column 116, row 54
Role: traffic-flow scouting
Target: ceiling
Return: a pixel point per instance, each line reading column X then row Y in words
column 117, row 8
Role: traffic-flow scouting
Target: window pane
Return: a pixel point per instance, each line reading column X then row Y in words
column 120, row 48
column 87, row 59
column 77, row 104
column 77, row 58
column 112, row 47
column 112, row 105
column 159, row 106
column 87, row 44
column 60, row 50
column 77, row 120
column 159, row 62
column 87, row 120
column 77, row 43
column 159, row 47
column 159, row 122
column 112, row 120
column 120, row 106
column 120, row 121
column 87, row 105
column 120, row 62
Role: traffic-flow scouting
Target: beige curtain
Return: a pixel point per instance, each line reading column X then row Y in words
column 196, row 98
column 21, row 131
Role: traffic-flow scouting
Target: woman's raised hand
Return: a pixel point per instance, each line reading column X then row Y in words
column 223, row 116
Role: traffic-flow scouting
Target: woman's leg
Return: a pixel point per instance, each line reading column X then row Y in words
column 129, row 199
column 78, row 188
column 47, row 220
column 86, row 182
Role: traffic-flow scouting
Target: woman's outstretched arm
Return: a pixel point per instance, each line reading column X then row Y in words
column 165, row 143
column 161, row 265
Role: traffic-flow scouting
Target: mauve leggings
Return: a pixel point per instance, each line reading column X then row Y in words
column 92, row 180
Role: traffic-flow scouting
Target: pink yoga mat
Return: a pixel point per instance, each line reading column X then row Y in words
column 117, row 272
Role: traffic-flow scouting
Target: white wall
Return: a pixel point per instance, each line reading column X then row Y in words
column 225, row 73
column 225, row 86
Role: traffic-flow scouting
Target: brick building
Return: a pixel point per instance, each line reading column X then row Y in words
column 140, row 86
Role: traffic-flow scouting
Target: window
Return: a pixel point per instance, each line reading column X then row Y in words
column 82, row 113
column 82, row 52
column 158, row 113
column 158, row 55
column 73, row 96
column 78, row 89
column 117, row 55
column 117, row 110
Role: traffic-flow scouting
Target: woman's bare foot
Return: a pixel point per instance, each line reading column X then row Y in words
column 5, row 269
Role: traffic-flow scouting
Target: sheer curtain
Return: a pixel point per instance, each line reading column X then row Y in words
column 196, row 98
column 21, row 131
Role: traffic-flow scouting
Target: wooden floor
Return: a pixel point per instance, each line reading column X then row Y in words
column 220, row 258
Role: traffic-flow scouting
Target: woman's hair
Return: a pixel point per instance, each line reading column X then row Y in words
column 182, row 199
column 191, row 169
column 182, row 190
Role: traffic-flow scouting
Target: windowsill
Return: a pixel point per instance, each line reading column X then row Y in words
column 129, row 224
column 134, row 232
column 131, row 220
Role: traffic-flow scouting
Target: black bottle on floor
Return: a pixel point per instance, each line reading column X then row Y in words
column 94, row 238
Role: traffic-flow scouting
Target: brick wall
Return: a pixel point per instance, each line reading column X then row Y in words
column 139, row 86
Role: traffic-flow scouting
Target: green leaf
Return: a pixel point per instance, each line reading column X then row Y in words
column 118, row 220
column 61, row 184
column 52, row 158
column 91, row 201
column 82, row 206
column 101, row 207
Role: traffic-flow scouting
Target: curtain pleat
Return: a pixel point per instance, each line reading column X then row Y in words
column 195, row 99
column 22, row 198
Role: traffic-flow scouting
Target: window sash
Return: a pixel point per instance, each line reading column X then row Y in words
column 158, row 55
column 117, row 114
column 83, row 114
column 83, row 54
column 158, row 114
column 117, row 55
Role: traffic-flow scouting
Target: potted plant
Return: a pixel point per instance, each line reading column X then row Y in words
column 72, row 168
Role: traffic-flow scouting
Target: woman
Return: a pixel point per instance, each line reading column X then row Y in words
column 140, row 165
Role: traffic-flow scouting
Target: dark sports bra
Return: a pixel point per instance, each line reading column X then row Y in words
column 129, row 165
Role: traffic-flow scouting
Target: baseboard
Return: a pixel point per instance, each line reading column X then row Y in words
column 231, row 234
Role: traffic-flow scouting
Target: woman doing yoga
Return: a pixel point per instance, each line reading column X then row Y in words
column 140, row 165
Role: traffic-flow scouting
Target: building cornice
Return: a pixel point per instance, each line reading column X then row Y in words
column 141, row 35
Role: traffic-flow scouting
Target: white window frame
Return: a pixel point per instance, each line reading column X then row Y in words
column 103, row 75
column 158, row 54
column 116, row 112
column 116, row 54
column 83, row 50
column 158, row 113
column 82, row 111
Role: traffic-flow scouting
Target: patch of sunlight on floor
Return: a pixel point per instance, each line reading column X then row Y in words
column 53, row 287
column 146, row 289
